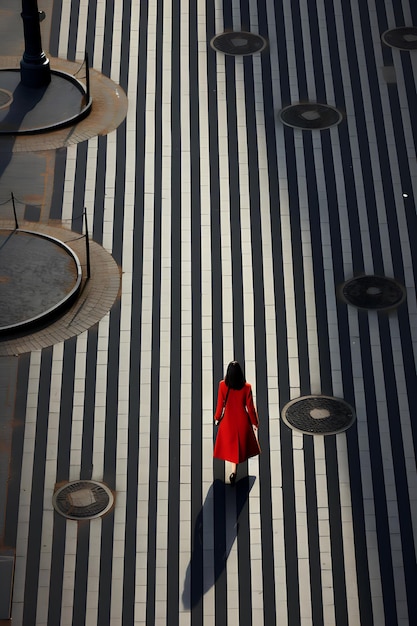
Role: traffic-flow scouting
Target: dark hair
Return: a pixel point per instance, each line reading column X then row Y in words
column 235, row 378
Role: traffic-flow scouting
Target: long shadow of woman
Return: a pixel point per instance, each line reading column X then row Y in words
column 215, row 531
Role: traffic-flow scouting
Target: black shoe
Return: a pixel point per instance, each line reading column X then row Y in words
column 232, row 479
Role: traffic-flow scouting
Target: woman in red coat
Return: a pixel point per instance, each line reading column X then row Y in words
column 236, row 439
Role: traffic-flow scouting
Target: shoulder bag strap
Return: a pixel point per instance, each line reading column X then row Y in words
column 224, row 403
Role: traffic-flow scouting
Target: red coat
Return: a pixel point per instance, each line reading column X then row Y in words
column 236, row 440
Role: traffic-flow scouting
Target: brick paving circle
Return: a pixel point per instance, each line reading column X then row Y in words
column 39, row 278
column 62, row 103
column 108, row 110
column 97, row 295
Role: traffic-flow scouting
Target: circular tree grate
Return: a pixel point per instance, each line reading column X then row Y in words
column 318, row 415
column 310, row 116
column 40, row 279
column 6, row 98
column 83, row 499
column 238, row 43
column 404, row 38
column 373, row 292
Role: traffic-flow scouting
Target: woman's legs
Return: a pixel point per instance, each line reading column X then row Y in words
column 232, row 476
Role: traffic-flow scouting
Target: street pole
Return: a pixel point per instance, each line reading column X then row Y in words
column 34, row 66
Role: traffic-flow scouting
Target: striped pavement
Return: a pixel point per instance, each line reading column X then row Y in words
column 233, row 233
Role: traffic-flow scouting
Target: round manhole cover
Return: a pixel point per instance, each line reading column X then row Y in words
column 83, row 499
column 6, row 98
column 404, row 38
column 238, row 43
column 318, row 415
column 310, row 116
column 373, row 292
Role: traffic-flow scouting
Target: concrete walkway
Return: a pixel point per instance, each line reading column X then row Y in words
column 234, row 235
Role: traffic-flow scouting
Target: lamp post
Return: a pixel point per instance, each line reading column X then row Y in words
column 34, row 66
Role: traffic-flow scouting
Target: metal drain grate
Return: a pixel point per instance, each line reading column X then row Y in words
column 310, row 116
column 318, row 415
column 6, row 98
column 83, row 499
column 373, row 292
column 404, row 38
column 238, row 43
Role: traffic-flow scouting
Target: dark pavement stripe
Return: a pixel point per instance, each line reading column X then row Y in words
column 156, row 326
column 173, row 585
column 37, row 492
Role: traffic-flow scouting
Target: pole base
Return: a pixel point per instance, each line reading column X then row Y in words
column 35, row 74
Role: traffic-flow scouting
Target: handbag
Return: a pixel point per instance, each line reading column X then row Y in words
column 255, row 432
